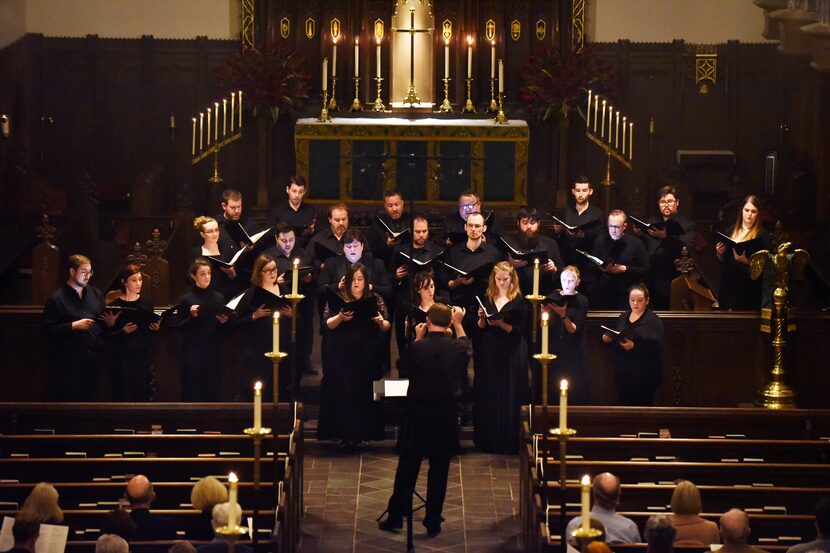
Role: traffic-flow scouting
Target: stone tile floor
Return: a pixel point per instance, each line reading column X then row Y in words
column 345, row 492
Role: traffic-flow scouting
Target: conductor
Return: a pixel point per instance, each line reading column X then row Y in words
column 437, row 369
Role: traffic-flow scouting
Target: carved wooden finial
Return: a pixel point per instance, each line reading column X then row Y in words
column 685, row 265
column 156, row 245
column 778, row 234
column 137, row 257
column 45, row 231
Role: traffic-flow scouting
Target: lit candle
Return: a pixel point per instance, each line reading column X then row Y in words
column 378, row 55
column 295, row 273
column 617, row 131
column 233, row 109
column 257, row 407
column 275, row 339
column 536, row 277
column 610, row 121
column 469, row 56
column 334, row 58
column 446, row 58
column 602, row 132
column 492, row 59
column 588, row 111
column 224, row 116
column 201, row 130
column 216, row 121
column 232, row 502
column 586, row 503
column 545, row 319
column 501, row 77
column 207, row 142
column 172, row 121
column 596, row 107
column 325, row 73
column 623, row 129
column 193, row 149
column 630, row 141
column 240, row 109
column 563, row 405
column 356, row 58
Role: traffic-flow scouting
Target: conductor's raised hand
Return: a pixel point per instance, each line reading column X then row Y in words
column 420, row 331
column 458, row 314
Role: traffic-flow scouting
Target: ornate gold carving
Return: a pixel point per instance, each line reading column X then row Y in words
column 541, row 29
column 379, row 29
column 447, row 26
column 706, row 66
column 490, row 29
column 247, row 23
column 515, row 30
column 578, row 25
column 310, row 27
column 285, row 27
column 335, row 28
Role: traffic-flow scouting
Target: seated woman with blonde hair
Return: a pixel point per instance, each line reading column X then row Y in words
column 206, row 493
column 686, row 507
column 42, row 506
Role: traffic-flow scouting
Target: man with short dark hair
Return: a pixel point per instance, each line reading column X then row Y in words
column 25, row 535
column 437, row 369
column 822, row 541
column 626, row 263
column 606, row 493
column 393, row 219
column 734, row 533
column 453, row 229
column 659, row 534
column 148, row 527
column 330, row 239
column 233, row 226
column 295, row 212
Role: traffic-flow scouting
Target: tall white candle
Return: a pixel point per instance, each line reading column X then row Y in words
column 469, row 56
column 588, row 111
column 356, row 58
column 586, row 503
column 201, row 130
column 378, row 54
column 193, row 149
column 545, row 320
column 295, row 277
column 240, row 109
column 630, row 141
column 596, row 107
column 624, row 125
column 233, row 109
column 224, row 116
column 501, row 77
column 257, row 407
column 602, row 131
column 232, row 501
column 617, row 130
column 563, row 405
column 207, row 142
column 216, row 121
column 275, row 337
column 446, row 58
column 492, row 59
column 325, row 74
column 610, row 126
column 334, row 58
column 536, row 277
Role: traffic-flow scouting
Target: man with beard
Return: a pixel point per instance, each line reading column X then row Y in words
column 328, row 243
column 529, row 239
column 587, row 222
column 233, row 226
column 664, row 239
column 384, row 232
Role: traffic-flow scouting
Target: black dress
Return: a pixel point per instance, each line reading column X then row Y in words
column 131, row 371
column 501, row 381
column 638, row 373
column 737, row 290
column 219, row 280
column 201, row 356
column 353, row 362
column 571, row 350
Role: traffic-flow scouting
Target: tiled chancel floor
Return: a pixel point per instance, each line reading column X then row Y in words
column 346, row 492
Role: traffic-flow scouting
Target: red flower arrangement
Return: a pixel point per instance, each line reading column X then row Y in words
column 272, row 79
column 556, row 83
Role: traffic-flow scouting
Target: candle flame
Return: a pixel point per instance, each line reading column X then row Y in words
column 545, row 316
column 276, row 316
column 586, row 480
column 194, row 119
column 296, row 261
column 446, row 42
column 470, row 40
column 378, row 39
column 233, row 479
column 563, row 385
column 258, row 386
column 356, row 42
column 334, row 40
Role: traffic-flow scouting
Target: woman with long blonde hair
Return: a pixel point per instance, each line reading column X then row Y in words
column 501, row 363
column 42, row 506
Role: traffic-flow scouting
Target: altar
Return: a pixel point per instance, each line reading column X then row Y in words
column 357, row 158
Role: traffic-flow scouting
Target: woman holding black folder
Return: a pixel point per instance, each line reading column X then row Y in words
column 737, row 290
column 501, row 383
column 254, row 316
column 131, row 376
column 216, row 251
column 637, row 338
column 355, row 319
column 201, row 321
column 569, row 309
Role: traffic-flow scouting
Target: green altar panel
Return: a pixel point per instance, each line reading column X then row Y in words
column 357, row 158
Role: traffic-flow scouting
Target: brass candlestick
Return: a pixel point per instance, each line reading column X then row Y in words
column 468, row 107
column 535, row 301
column 492, row 107
column 501, row 118
column 216, row 178
column 324, row 113
column 607, row 181
column 378, row 102
column 333, row 101
column 356, row 102
column 295, row 300
column 257, row 436
column 276, row 358
column 446, row 107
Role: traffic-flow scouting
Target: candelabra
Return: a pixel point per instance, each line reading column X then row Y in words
column 378, row 102
column 501, row 118
column 446, row 107
column 468, row 107
column 356, row 102
column 214, row 150
column 324, row 113
column 333, row 102
column 492, row 107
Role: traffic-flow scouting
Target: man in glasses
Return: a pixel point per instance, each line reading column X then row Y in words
column 621, row 260
column 453, row 231
column 664, row 239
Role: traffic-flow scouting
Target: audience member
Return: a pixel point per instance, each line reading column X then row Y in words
column 220, row 542
column 822, row 541
column 110, row 543
column 148, row 527
column 659, row 534
column 42, row 506
column 25, row 535
column 597, row 547
column 734, row 532
column 606, row 492
column 118, row 522
column 182, row 547
column 207, row 493
column 686, row 507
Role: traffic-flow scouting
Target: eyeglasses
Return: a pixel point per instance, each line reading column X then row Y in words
column 469, row 207
column 616, row 227
column 270, row 271
column 85, row 272
column 667, row 202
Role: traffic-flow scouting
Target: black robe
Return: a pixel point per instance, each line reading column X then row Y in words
column 131, row 374
column 571, row 351
column 568, row 244
column 377, row 236
column 296, row 218
column 638, row 373
column 612, row 289
column 737, row 289
column 201, row 355
column 662, row 254
column 501, row 381
column 219, row 279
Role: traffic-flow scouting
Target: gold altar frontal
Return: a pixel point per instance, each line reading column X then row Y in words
column 357, row 158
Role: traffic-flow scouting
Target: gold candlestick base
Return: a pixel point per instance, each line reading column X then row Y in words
column 378, row 105
column 446, row 107
column 232, row 531
column 356, row 106
column 492, row 107
column 586, row 534
column 563, row 433
column 468, row 106
column 333, row 102
column 501, row 118
column 263, row 431
column 324, row 113
column 411, row 96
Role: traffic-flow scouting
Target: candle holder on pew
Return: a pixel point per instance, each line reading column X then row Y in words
column 333, row 102
column 468, row 106
column 535, row 301
column 492, row 107
column 257, row 434
column 501, row 118
column 378, row 105
column 446, row 107
column 276, row 358
column 356, row 106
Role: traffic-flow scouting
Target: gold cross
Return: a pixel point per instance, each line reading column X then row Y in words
column 412, row 95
